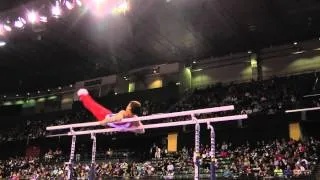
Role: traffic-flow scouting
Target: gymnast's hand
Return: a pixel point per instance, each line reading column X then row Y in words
column 139, row 127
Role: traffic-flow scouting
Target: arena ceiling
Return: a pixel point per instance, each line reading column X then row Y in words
column 80, row 45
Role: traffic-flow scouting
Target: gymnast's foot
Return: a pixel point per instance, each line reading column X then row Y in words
column 82, row 92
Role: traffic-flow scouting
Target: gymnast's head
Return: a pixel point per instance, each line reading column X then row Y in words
column 134, row 107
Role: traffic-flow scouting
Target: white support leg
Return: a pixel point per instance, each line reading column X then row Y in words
column 212, row 152
column 93, row 157
column 73, row 148
column 94, row 145
column 196, row 156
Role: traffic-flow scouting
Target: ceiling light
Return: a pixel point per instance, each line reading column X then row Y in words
column 295, row 43
column 56, row 10
column 32, row 17
column 194, row 62
column 20, row 22
column 69, row 4
column 4, row 96
column 7, row 28
column 124, row 6
column 17, row 95
column 59, row 87
column 79, row 3
column 2, row 43
column 43, row 19
column 70, row 85
column 121, row 9
column 115, row 93
column 48, row 90
column 38, row 92
column 28, row 94
column 249, row 52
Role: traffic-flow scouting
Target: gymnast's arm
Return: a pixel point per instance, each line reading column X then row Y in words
column 118, row 117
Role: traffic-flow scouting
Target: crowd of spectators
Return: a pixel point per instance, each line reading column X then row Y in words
column 278, row 158
column 34, row 168
column 265, row 97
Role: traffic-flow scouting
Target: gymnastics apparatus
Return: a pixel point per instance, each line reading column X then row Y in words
column 302, row 110
column 192, row 121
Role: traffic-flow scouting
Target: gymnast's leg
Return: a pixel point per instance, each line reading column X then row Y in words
column 96, row 109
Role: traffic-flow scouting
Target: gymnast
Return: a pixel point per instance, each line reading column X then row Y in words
column 107, row 118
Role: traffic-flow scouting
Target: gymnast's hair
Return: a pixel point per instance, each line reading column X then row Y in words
column 135, row 108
